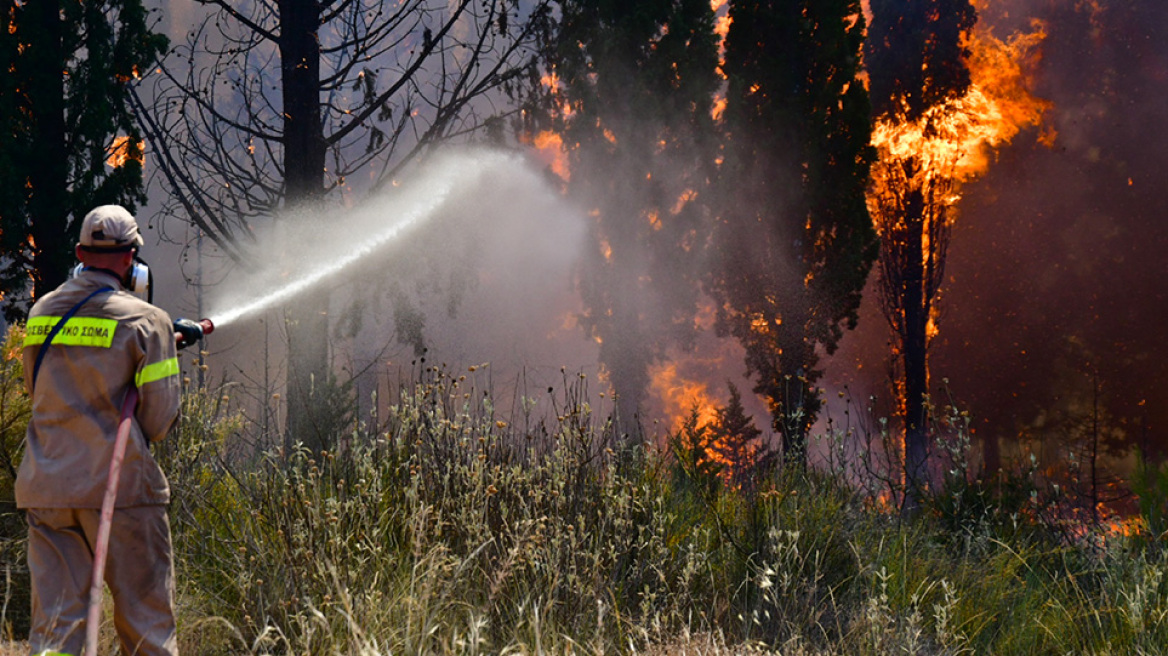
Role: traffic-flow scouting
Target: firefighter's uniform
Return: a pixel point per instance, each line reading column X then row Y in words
column 113, row 342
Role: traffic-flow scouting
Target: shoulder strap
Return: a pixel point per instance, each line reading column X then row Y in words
column 57, row 328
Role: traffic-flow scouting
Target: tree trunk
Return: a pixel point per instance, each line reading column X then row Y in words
column 304, row 157
column 914, row 346
column 48, row 161
column 624, row 355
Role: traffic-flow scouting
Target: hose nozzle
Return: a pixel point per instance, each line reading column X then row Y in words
column 188, row 332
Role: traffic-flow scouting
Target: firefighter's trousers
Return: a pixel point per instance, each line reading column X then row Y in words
column 139, row 572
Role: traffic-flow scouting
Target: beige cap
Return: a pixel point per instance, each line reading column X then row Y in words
column 109, row 228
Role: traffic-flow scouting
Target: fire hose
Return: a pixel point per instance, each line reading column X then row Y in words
column 101, row 549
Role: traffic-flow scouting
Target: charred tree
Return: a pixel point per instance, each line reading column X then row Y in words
column 916, row 57
column 914, row 221
column 69, row 141
column 271, row 108
column 633, row 99
column 793, row 242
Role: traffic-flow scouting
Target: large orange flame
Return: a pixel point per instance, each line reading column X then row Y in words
column 680, row 395
column 957, row 139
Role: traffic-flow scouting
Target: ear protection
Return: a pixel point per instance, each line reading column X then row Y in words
column 139, row 279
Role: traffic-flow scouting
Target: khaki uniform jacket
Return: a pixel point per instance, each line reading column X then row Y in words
column 113, row 342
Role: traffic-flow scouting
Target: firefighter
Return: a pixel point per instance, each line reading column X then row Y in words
column 86, row 344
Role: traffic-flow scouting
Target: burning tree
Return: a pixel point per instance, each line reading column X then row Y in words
column 631, row 96
column 738, row 443
column 68, row 141
column 943, row 97
column 273, row 106
column 793, row 242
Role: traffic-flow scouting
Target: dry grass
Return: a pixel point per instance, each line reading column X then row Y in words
column 450, row 531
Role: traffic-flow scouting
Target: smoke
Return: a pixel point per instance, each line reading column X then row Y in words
column 1054, row 291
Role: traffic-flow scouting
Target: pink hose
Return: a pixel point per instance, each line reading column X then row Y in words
column 93, row 622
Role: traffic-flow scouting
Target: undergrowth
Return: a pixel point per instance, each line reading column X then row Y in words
column 449, row 528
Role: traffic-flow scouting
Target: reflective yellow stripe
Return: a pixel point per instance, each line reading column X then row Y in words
column 78, row 331
column 157, row 371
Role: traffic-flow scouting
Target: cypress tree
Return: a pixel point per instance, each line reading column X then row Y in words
column 69, row 141
column 637, row 86
column 793, row 244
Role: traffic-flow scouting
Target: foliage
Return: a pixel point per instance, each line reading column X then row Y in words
column 793, row 242
column 68, row 70
column 693, row 461
column 14, row 410
column 1150, row 485
column 740, row 443
column 916, row 54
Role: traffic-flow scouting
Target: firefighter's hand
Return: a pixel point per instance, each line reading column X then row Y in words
column 187, row 332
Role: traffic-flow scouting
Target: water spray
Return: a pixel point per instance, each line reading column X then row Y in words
column 321, row 256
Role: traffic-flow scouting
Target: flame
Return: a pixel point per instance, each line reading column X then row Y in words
column 549, row 148
column 957, row 138
column 951, row 144
column 654, row 220
column 719, row 108
column 883, row 503
column 1128, row 527
column 684, row 199
column 680, row 396
column 123, row 150
column 683, row 380
column 696, row 379
column 135, row 74
column 606, row 249
column 722, row 21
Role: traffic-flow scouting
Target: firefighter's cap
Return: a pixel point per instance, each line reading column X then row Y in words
column 109, row 228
